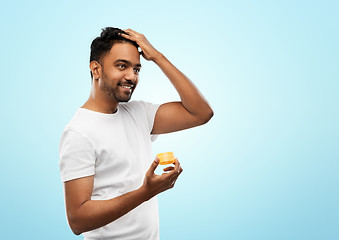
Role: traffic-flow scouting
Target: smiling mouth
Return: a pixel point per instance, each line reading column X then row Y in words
column 127, row 87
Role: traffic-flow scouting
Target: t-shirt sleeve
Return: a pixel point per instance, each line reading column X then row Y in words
column 77, row 156
column 150, row 110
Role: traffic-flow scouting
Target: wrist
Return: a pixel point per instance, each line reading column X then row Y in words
column 145, row 195
column 157, row 57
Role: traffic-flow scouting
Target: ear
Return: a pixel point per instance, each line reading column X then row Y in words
column 95, row 69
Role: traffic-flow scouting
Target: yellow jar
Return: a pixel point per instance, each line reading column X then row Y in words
column 166, row 158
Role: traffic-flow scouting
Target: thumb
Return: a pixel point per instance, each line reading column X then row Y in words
column 154, row 165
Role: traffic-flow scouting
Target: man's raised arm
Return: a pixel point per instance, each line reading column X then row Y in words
column 193, row 110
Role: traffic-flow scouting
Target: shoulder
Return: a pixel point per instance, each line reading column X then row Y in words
column 138, row 106
column 133, row 105
column 79, row 124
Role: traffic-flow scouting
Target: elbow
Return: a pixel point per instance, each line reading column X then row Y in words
column 76, row 232
column 75, row 229
column 210, row 114
column 75, row 226
column 206, row 117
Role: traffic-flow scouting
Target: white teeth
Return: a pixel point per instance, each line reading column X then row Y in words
column 126, row 87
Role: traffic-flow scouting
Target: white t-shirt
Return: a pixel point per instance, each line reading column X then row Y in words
column 116, row 149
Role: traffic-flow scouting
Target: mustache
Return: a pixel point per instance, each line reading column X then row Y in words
column 127, row 83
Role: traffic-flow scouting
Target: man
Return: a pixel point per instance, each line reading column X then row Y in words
column 105, row 150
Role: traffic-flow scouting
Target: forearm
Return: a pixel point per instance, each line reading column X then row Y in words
column 97, row 213
column 190, row 96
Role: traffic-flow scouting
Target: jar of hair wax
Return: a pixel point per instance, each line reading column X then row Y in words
column 166, row 158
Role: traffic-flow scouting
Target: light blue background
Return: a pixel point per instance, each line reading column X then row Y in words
column 265, row 167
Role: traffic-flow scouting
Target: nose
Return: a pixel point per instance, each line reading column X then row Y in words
column 130, row 75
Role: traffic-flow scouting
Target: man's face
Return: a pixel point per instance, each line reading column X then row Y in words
column 120, row 72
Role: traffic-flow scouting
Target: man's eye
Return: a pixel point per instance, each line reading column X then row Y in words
column 122, row 66
column 136, row 70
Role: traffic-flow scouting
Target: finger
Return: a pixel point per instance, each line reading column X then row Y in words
column 131, row 31
column 177, row 165
column 124, row 35
column 126, row 32
column 173, row 182
column 181, row 170
column 176, row 171
column 134, row 34
column 168, row 169
column 153, row 166
column 129, row 37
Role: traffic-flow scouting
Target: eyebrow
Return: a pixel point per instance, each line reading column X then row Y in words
column 127, row 62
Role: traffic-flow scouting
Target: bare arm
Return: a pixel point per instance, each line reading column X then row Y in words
column 193, row 110
column 85, row 214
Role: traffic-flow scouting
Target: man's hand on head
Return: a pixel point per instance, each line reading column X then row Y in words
column 193, row 108
column 147, row 50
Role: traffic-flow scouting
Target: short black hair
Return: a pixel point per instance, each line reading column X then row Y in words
column 103, row 44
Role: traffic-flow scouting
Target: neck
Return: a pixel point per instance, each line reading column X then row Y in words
column 98, row 101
